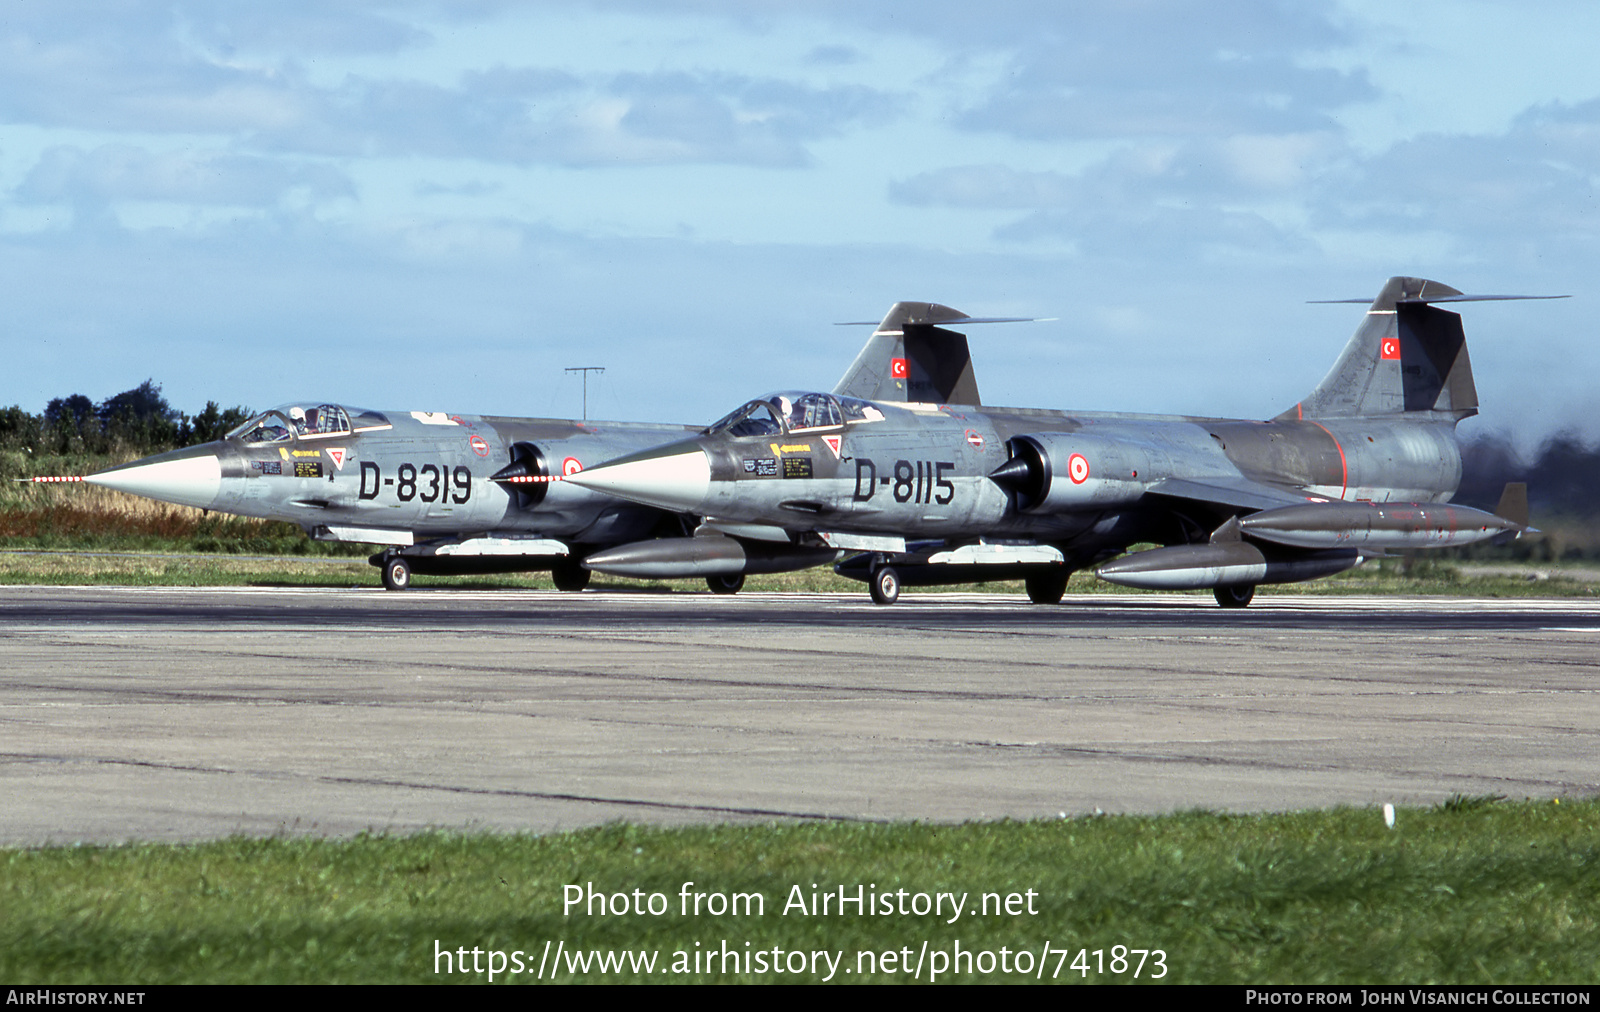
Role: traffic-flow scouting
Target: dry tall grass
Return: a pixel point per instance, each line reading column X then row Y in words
column 86, row 510
column 78, row 510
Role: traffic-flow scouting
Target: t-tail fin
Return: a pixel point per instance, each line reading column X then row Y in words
column 1407, row 356
column 911, row 357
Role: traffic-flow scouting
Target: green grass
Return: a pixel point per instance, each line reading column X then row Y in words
column 1474, row 891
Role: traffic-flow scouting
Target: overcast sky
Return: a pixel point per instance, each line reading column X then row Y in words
column 441, row 206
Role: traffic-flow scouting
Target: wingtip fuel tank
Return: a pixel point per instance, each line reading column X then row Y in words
column 1375, row 525
column 1223, row 564
column 704, row 555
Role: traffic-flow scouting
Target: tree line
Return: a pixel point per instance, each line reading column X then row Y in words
column 138, row 421
column 1563, row 478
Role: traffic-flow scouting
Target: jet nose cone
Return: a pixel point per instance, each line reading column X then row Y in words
column 188, row 477
column 676, row 477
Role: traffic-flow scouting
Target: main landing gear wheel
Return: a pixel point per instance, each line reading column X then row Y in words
column 884, row 585
column 725, row 584
column 569, row 574
column 396, row 573
column 1237, row 596
column 1047, row 588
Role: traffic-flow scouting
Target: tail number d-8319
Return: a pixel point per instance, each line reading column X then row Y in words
column 430, row 482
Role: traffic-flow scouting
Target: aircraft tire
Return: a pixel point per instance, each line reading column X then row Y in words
column 396, row 573
column 1047, row 588
column 884, row 585
column 726, row 584
column 569, row 575
column 1236, row 596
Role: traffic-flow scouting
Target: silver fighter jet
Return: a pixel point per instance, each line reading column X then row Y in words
column 453, row 493
column 951, row 491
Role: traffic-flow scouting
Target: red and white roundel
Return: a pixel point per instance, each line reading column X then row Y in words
column 570, row 466
column 479, row 447
column 1078, row 468
column 975, row 439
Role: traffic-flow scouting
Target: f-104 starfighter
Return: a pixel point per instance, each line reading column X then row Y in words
column 460, row 493
column 959, row 492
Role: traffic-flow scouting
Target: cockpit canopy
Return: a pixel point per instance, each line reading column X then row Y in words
column 793, row 411
column 289, row 422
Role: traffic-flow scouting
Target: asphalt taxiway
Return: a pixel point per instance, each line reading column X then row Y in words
column 162, row 713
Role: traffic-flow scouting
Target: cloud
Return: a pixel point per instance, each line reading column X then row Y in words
column 189, row 66
column 834, row 56
column 1208, row 79
column 155, row 81
column 1245, row 166
column 1148, row 199
column 120, row 172
column 529, row 116
column 1154, row 68
column 303, row 26
column 1159, row 233
column 1207, row 104
column 1532, row 186
column 986, row 186
column 1111, row 68
column 736, row 119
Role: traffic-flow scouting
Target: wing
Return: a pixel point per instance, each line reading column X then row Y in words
column 1238, row 493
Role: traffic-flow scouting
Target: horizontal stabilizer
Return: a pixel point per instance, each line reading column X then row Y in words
column 1458, row 297
column 938, row 316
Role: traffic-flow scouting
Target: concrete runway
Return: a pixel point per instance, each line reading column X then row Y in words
column 172, row 714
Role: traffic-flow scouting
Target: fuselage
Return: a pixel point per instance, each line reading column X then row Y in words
column 926, row 471
column 418, row 474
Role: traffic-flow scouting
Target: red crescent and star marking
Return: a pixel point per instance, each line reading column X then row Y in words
column 1390, row 349
column 899, row 369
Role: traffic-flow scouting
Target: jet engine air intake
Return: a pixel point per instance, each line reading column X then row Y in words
column 1061, row 471
column 1026, row 472
column 527, row 461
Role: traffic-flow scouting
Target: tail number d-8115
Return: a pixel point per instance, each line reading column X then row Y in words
column 920, row 481
column 925, row 482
